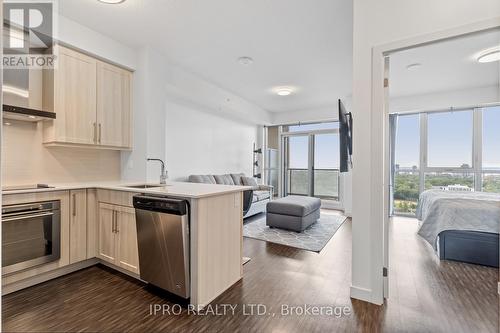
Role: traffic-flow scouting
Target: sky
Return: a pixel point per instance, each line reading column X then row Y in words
column 326, row 152
column 449, row 139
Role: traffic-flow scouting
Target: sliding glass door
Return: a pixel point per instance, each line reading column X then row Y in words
column 311, row 163
column 297, row 165
column 326, row 166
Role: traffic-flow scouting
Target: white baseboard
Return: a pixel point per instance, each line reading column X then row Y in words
column 29, row 282
column 361, row 293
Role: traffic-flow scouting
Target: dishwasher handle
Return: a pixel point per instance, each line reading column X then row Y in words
column 160, row 204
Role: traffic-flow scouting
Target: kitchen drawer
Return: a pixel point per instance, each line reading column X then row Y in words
column 121, row 198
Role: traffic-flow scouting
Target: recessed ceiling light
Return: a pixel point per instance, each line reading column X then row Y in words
column 283, row 91
column 245, row 61
column 7, row 124
column 414, row 66
column 32, row 117
column 111, row 2
column 489, row 55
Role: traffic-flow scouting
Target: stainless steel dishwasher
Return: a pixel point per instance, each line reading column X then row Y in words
column 163, row 241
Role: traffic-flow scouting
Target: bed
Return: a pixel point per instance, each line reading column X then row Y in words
column 461, row 226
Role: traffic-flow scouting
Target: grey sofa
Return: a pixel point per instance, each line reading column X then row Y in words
column 262, row 194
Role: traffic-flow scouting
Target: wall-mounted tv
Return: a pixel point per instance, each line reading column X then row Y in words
column 345, row 126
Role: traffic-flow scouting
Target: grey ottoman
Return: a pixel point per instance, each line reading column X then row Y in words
column 293, row 212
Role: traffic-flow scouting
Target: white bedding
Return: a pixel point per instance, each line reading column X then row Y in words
column 439, row 211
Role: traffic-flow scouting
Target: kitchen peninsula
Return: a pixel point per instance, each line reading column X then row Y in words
column 91, row 212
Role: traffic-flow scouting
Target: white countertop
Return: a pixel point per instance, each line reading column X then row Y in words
column 174, row 189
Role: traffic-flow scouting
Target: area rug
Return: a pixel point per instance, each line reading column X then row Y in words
column 313, row 238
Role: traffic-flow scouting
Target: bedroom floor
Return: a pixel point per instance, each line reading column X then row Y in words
column 438, row 295
column 426, row 295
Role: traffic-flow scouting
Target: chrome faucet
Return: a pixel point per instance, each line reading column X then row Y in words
column 163, row 174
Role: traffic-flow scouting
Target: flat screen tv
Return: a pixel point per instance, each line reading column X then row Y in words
column 345, row 129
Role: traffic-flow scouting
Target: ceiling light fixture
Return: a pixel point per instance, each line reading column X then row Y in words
column 111, row 2
column 414, row 66
column 489, row 55
column 284, row 91
column 245, row 61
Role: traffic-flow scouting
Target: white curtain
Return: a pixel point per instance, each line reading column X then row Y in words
column 393, row 128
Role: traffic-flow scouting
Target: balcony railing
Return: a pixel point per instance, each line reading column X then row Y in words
column 326, row 182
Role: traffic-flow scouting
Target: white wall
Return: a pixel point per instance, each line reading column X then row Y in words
column 377, row 23
column 25, row 160
column 318, row 114
column 168, row 98
column 91, row 41
column 444, row 100
column 199, row 142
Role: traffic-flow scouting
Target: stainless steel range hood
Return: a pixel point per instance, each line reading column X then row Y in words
column 23, row 95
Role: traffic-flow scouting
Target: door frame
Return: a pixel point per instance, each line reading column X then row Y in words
column 380, row 143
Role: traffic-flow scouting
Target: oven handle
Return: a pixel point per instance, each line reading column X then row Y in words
column 23, row 217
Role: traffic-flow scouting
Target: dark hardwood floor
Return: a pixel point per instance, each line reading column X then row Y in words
column 426, row 295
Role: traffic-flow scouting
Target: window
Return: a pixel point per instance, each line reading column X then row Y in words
column 491, row 182
column 438, row 180
column 310, row 161
column 450, row 139
column 326, row 166
column 491, row 138
column 491, row 150
column 406, row 178
column 450, row 157
column 298, row 152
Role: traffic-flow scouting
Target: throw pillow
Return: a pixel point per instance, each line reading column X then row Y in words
column 250, row 181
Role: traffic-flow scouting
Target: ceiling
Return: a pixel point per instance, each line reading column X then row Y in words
column 292, row 42
column 446, row 66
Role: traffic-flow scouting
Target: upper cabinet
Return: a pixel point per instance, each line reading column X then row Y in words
column 113, row 105
column 92, row 101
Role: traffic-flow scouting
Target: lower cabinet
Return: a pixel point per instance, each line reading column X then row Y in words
column 117, row 242
column 78, row 226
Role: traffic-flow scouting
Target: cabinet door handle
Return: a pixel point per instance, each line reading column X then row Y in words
column 94, row 135
column 100, row 130
column 74, row 204
column 113, row 230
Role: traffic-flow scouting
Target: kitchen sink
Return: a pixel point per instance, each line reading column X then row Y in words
column 145, row 186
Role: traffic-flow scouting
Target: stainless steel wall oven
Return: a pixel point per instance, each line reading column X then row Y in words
column 31, row 235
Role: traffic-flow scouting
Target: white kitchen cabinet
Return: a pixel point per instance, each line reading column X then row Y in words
column 113, row 106
column 78, row 226
column 107, row 236
column 70, row 91
column 92, row 102
column 118, row 236
column 128, row 253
